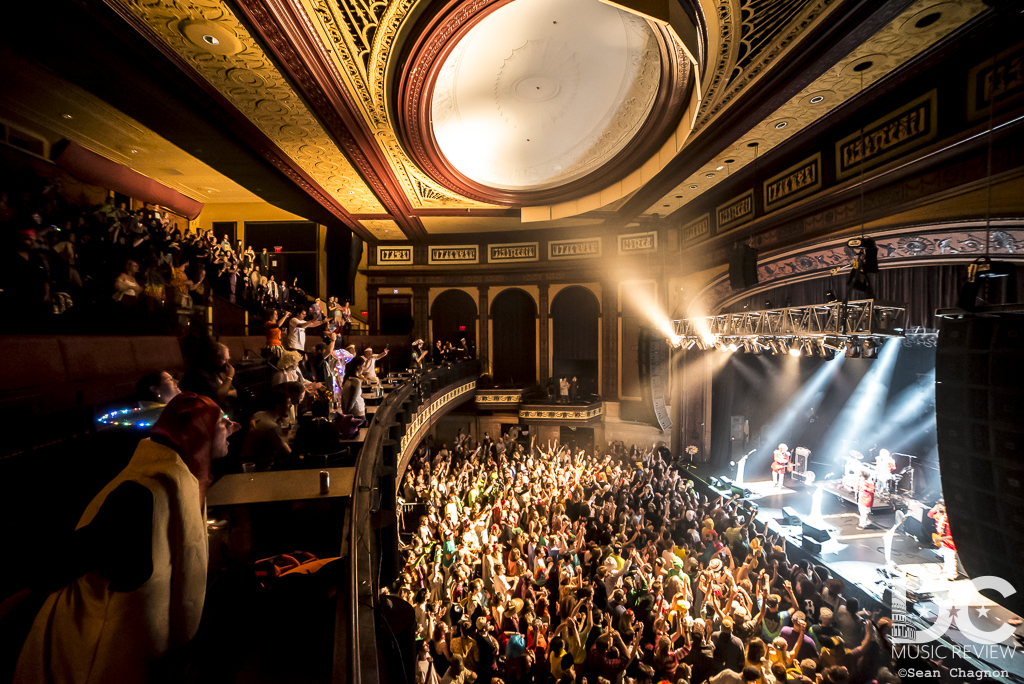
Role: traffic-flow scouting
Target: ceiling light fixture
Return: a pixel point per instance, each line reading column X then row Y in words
column 719, row 168
column 212, row 40
column 816, row 99
column 693, row 187
column 781, row 125
column 67, row 116
column 709, row 175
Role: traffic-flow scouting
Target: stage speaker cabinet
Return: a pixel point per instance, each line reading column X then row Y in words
column 811, row 545
column 979, row 372
column 789, row 516
column 800, row 458
column 653, row 359
column 814, row 532
column 742, row 267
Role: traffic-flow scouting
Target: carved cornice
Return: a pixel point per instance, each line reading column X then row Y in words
column 287, row 30
column 359, row 36
column 422, row 67
column 566, row 415
column 266, row 110
column 806, row 58
column 958, row 242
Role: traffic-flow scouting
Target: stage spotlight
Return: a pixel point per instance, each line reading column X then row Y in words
column 675, row 341
column 833, row 343
column 869, row 349
column 689, row 345
column 732, row 346
column 853, row 348
column 809, row 348
column 794, row 347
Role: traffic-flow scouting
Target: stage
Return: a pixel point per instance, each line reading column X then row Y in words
column 858, row 557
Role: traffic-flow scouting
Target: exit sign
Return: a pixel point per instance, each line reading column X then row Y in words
column 462, row 328
column 277, row 250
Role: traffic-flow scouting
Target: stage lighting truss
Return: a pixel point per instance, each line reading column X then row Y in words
column 816, row 330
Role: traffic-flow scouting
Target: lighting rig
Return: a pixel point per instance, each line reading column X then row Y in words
column 856, row 329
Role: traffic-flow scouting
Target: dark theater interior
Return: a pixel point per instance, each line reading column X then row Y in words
column 512, row 341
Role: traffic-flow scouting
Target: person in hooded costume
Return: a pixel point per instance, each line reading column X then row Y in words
column 136, row 571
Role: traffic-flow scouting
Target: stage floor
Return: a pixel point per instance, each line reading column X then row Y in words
column 858, row 555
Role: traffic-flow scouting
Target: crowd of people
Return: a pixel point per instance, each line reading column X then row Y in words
column 65, row 267
column 542, row 563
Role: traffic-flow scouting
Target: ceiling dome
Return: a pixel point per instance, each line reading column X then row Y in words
column 543, row 92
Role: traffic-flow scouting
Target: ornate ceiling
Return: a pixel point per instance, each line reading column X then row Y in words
column 407, row 118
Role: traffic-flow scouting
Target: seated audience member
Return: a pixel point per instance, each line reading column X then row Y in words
column 211, row 374
column 157, row 388
column 266, row 442
column 129, row 596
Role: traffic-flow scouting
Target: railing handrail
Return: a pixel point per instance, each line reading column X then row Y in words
column 360, row 624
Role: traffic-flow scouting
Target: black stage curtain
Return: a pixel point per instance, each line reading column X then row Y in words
column 575, row 312
column 454, row 309
column 514, row 359
column 922, row 288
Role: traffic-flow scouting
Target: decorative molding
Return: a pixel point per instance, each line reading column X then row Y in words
column 503, row 397
column 391, row 255
column 453, row 255
column 564, row 414
column 800, row 180
column 423, row 67
column 424, row 417
column 513, row 252
column 910, row 126
column 753, row 35
column 638, row 243
column 359, row 37
column 996, row 83
column 696, row 229
column 902, row 247
column 734, row 213
column 251, row 82
column 586, row 248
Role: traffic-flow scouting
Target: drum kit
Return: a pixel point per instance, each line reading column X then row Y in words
column 882, row 471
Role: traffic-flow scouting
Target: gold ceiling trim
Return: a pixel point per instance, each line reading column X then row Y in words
column 359, row 36
column 895, row 44
column 252, row 83
column 383, row 229
column 753, row 34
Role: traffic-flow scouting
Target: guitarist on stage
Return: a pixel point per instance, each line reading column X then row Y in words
column 944, row 540
column 780, row 463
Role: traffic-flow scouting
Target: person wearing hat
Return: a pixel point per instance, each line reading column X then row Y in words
column 419, row 357
column 487, row 650
column 510, row 618
column 728, row 647
column 134, row 580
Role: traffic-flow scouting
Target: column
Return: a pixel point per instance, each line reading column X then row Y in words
column 610, row 341
column 542, row 313
column 482, row 347
column 421, row 313
column 371, row 309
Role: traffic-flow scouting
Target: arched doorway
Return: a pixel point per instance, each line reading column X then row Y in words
column 514, row 355
column 454, row 316
column 575, row 312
